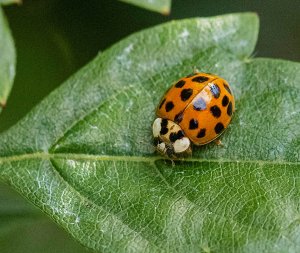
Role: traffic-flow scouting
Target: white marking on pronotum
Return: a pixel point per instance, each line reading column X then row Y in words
column 156, row 127
column 181, row 145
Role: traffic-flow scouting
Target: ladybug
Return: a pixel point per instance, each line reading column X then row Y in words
column 196, row 109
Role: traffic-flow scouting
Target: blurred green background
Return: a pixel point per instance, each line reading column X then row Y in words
column 54, row 38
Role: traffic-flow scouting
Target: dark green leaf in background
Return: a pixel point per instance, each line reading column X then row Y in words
column 7, row 60
column 161, row 6
column 23, row 229
column 85, row 155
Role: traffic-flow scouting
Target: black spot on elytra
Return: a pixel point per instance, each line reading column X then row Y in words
column 178, row 118
column 186, row 94
column 199, row 104
column 227, row 88
column 161, row 103
column 180, row 84
column 219, row 128
column 215, row 90
column 169, row 106
column 225, row 100
column 200, row 79
column 176, row 136
column 215, row 110
column 193, row 124
column 229, row 109
column 201, row 133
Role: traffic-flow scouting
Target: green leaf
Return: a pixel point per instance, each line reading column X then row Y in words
column 7, row 2
column 161, row 6
column 19, row 218
column 85, row 154
column 7, row 60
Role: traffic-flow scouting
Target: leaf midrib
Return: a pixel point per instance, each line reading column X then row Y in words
column 133, row 158
column 151, row 160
